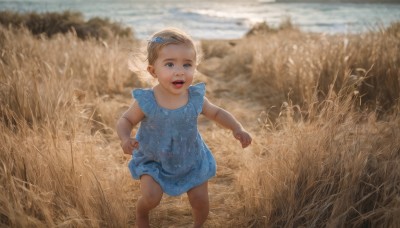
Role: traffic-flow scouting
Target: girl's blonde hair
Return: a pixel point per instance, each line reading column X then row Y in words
column 166, row 37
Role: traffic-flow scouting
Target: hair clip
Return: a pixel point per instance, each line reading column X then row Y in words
column 157, row 39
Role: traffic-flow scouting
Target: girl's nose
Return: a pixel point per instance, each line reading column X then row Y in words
column 180, row 71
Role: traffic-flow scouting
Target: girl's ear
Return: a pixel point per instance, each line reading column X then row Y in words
column 151, row 70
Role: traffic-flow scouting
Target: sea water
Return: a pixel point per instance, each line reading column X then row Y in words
column 224, row 19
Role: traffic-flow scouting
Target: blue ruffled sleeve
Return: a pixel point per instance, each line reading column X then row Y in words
column 145, row 99
column 197, row 93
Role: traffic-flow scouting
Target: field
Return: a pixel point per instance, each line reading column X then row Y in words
column 323, row 110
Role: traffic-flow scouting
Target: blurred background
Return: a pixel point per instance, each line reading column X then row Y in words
column 207, row 19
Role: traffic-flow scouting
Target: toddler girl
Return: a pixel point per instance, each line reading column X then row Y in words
column 168, row 153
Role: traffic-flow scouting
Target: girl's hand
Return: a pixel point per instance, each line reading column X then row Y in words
column 129, row 145
column 243, row 136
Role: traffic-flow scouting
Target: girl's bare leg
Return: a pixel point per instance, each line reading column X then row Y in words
column 198, row 198
column 151, row 197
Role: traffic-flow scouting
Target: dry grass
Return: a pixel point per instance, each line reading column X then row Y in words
column 340, row 170
column 329, row 156
column 55, row 120
column 275, row 66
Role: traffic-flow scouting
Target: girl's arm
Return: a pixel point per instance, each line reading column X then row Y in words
column 125, row 125
column 227, row 120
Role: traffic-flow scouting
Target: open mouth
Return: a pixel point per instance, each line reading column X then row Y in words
column 178, row 82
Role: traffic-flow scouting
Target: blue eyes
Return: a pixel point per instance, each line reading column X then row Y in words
column 186, row 65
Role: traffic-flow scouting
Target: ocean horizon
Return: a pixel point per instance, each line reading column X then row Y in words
column 224, row 19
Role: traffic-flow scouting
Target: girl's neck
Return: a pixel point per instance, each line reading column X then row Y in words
column 169, row 100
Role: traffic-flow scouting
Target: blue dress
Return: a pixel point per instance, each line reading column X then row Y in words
column 171, row 149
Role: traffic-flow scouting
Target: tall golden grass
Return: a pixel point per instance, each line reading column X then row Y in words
column 277, row 65
column 56, row 116
column 328, row 155
column 339, row 170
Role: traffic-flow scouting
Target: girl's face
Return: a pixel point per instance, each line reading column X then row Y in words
column 174, row 68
